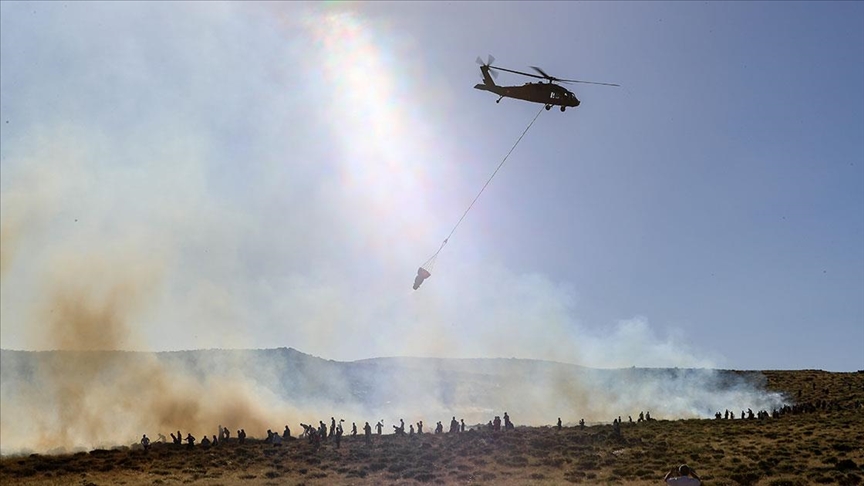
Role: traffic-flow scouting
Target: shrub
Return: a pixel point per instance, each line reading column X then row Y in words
column 746, row 478
column 424, row 477
column 786, row 482
column 851, row 479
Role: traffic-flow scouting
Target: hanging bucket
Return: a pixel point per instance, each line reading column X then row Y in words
column 422, row 274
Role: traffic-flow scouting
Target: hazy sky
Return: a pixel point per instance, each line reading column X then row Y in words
column 241, row 175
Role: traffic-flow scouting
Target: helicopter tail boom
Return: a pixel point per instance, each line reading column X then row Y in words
column 487, row 78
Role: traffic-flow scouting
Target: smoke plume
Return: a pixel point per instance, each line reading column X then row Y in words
column 156, row 197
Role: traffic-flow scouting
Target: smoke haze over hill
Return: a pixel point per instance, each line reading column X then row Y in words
column 74, row 399
column 240, row 177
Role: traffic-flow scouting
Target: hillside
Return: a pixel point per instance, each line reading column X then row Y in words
column 815, row 441
column 84, row 412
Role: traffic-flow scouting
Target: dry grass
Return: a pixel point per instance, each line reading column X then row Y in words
column 823, row 446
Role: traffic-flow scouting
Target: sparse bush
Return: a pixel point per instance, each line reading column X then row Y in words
column 553, row 462
column 850, row 479
column 786, row 482
column 746, row 478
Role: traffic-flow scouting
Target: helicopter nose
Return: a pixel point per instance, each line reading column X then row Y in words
column 576, row 102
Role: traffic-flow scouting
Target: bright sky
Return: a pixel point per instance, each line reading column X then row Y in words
column 240, row 175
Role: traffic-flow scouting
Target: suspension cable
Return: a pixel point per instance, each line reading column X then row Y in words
column 432, row 258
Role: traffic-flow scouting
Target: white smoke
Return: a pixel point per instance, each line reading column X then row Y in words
column 156, row 196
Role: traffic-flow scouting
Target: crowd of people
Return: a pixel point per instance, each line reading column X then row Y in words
column 322, row 433
column 682, row 475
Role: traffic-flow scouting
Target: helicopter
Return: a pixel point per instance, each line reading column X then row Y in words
column 548, row 93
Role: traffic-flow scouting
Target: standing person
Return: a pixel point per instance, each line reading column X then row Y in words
column 353, row 429
column 145, row 442
column 683, row 475
column 559, row 424
column 379, row 426
column 367, row 430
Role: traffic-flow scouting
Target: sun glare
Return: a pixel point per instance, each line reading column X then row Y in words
column 380, row 173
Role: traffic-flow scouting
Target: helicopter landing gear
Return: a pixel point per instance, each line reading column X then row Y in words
column 562, row 109
column 499, row 100
column 548, row 107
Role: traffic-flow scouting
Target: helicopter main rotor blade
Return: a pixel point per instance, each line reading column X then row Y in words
column 553, row 78
column 516, row 72
column 586, row 82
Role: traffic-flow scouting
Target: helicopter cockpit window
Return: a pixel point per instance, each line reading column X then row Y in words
column 554, row 95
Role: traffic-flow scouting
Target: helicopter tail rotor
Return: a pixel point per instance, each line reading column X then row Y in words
column 488, row 64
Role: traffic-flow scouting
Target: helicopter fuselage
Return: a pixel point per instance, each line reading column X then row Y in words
column 547, row 93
